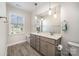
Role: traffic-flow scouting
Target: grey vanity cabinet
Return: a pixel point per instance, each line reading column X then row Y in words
column 32, row 40
column 45, row 46
column 37, row 42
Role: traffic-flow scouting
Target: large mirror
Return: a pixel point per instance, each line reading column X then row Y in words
column 50, row 23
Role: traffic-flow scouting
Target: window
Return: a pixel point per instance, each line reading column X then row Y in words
column 16, row 24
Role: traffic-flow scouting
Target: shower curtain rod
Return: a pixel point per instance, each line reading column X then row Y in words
column 5, row 19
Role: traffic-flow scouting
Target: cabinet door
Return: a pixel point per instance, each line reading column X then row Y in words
column 43, row 47
column 32, row 40
column 51, row 49
column 37, row 43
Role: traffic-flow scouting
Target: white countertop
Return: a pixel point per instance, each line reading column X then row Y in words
column 54, row 36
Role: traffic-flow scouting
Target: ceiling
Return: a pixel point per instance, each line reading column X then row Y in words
column 27, row 6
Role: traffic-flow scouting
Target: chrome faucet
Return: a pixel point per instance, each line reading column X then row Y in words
column 51, row 33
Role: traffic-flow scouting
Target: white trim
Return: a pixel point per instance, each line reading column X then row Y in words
column 16, row 43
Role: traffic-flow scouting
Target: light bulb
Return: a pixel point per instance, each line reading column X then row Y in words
column 55, row 15
column 50, row 12
column 42, row 19
column 35, row 17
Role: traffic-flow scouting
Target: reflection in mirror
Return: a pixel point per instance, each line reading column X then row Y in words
column 50, row 23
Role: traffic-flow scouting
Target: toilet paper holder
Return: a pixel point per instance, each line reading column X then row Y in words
column 59, row 47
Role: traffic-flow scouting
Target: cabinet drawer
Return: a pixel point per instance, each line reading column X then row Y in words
column 52, row 41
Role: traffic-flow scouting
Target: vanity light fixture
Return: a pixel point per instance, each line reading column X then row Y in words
column 35, row 17
column 55, row 15
column 50, row 11
column 42, row 19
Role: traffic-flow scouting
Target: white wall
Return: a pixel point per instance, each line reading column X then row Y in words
column 3, row 9
column 3, row 37
column 3, row 30
column 70, row 13
column 13, row 39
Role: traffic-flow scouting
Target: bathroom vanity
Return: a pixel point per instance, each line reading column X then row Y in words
column 45, row 43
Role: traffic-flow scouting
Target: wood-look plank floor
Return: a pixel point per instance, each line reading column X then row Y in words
column 22, row 49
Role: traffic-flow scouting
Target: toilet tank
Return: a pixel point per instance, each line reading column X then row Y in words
column 74, row 48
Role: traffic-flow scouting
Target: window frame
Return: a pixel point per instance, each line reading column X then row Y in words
column 10, row 23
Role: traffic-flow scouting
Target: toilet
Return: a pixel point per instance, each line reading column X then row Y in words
column 73, row 48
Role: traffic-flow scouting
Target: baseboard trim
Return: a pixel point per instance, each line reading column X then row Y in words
column 16, row 43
